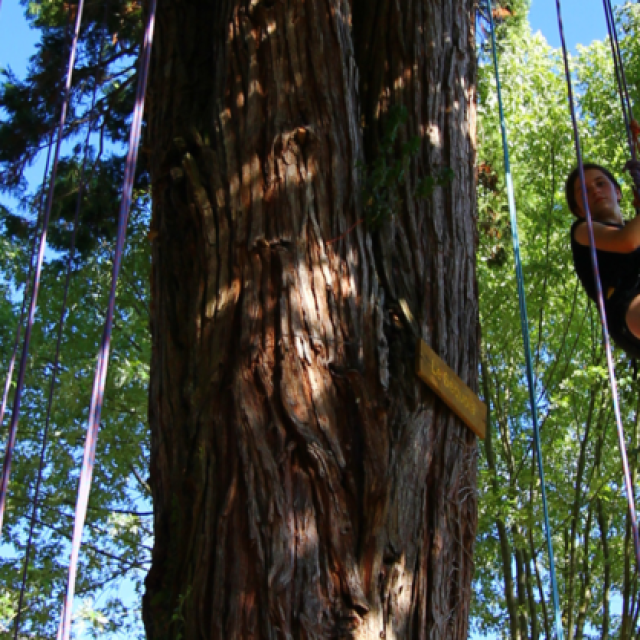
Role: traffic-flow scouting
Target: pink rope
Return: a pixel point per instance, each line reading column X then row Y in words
column 97, row 395
column 25, row 297
column 600, row 301
column 13, row 427
column 27, row 288
column 63, row 313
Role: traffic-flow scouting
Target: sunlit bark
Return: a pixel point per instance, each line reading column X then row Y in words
column 306, row 483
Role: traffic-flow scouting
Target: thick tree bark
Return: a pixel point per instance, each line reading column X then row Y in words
column 306, row 483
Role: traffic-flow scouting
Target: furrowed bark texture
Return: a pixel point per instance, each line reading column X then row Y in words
column 306, row 483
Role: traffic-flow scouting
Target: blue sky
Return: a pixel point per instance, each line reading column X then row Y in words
column 16, row 38
column 583, row 20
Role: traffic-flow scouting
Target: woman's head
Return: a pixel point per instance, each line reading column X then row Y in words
column 570, row 187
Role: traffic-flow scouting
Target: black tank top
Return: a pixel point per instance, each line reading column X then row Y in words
column 617, row 270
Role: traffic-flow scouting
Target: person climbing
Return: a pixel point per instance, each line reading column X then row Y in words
column 617, row 248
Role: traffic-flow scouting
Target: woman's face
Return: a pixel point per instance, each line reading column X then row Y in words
column 603, row 196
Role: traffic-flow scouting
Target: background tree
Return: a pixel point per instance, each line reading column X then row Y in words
column 591, row 532
column 119, row 533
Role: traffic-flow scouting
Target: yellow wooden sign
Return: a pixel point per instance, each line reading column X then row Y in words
column 455, row 393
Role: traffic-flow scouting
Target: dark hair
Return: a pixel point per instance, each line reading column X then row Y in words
column 574, row 175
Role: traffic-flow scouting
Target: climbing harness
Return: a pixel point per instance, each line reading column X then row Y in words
column 524, row 323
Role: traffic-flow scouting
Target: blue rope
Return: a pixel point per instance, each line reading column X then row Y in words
column 525, row 332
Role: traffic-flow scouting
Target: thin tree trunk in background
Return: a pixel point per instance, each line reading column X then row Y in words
column 542, row 596
column 584, row 601
column 306, row 484
column 633, row 464
column 626, row 630
column 575, row 518
column 606, row 587
column 630, row 585
column 603, row 526
column 503, row 535
column 523, row 612
column 528, row 553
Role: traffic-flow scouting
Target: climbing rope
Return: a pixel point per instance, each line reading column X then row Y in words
column 27, row 288
column 97, row 395
column 63, row 312
column 631, row 125
column 15, row 414
column 620, row 76
column 34, row 246
column 600, row 297
column 524, row 323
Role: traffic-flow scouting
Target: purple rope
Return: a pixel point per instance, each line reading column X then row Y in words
column 9, row 379
column 617, row 63
column 614, row 34
column 13, row 427
column 27, row 288
column 600, row 299
column 97, row 395
column 56, row 360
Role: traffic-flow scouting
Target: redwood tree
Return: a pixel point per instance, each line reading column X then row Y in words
column 306, row 484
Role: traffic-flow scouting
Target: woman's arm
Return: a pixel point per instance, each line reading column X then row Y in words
column 624, row 240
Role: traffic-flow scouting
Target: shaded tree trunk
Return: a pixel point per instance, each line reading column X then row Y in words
column 306, row 483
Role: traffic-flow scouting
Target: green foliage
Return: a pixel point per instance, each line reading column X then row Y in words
column 178, row 615
column 509, row 16
column 588, row 512
column 118, row 535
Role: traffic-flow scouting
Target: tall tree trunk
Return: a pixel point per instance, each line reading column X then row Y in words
column 306, row 484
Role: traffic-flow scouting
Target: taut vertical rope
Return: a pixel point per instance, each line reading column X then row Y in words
column 625, row 101
column 27, row 287
column 15, row 414
column 63, row 311
column 97, row 395
column 600, row 298
column 524, row 322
